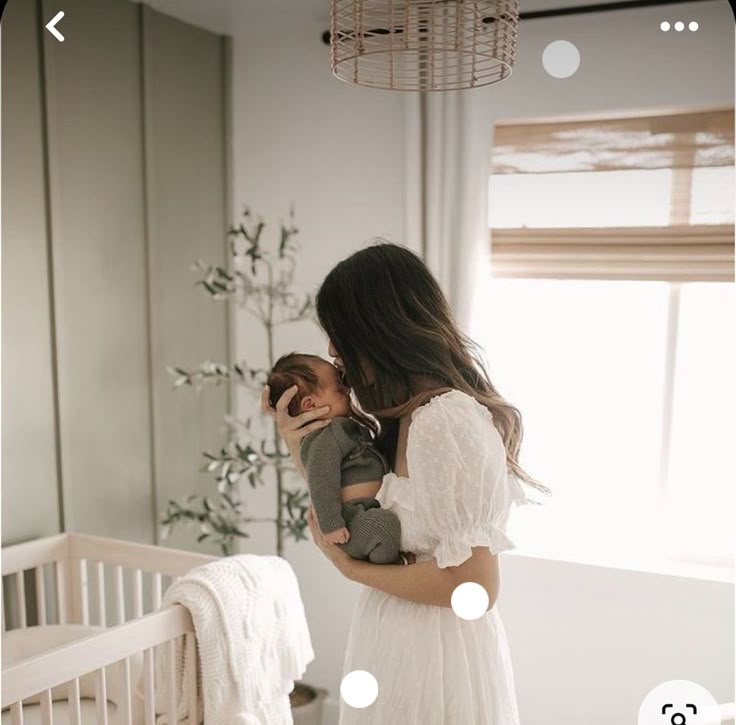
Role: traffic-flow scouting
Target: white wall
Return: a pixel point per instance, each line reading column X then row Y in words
column 587, row 642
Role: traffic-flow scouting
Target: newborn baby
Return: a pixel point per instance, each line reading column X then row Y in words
column 344, row 470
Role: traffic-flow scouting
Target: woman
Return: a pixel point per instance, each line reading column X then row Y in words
column 453, row 443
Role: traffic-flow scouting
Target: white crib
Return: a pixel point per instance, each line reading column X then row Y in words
column 103, row 671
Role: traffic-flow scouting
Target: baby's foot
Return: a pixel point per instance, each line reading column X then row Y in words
column 408, row 557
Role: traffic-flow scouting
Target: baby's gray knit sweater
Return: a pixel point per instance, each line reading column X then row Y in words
column 336, row 456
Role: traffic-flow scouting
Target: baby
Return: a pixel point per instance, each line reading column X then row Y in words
column 344, row 470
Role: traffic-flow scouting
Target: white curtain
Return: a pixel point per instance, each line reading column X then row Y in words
column 448, row 145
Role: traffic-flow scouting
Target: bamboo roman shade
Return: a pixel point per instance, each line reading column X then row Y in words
column 704, row 138
column 680, row 251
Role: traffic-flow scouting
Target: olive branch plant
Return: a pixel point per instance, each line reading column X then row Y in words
column 260, row 280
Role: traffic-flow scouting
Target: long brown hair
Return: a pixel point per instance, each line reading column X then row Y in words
column 385, row 313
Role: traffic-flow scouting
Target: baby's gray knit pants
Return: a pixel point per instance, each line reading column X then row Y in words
column 375, row 533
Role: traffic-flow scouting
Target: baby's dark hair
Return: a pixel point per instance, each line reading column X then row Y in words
column 293, row 369
column 297, row 368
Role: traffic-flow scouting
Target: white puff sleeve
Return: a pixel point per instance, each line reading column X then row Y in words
column 463, row 491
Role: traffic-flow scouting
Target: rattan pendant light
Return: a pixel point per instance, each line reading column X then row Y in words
column 423, row 45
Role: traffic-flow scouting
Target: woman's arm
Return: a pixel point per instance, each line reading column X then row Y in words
column 425, row 582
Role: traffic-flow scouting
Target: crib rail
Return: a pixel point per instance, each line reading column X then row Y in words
column 146, row 557
column 71, row 573
column 30, row 554
column 64, row 664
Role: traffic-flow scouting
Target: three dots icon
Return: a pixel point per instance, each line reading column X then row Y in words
column 679, row 26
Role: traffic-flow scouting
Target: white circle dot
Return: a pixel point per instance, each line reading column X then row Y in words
column 561, row 59
column 693, row 26
column 679, row 26
column 359, row 688
column 469, row 600
column 665, row 26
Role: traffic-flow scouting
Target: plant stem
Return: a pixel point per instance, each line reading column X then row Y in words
column 276, row 436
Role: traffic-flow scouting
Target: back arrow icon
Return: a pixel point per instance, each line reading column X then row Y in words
column 50, row 26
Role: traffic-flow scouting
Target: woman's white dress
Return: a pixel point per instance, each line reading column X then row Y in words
column 432, row 667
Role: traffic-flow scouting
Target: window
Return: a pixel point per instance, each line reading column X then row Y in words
column 647, row 198
column 641, row 195
column 640, row 469
column 636, row 198
column 624, row 378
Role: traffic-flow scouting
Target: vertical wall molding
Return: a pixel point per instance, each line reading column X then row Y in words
column 147, row 169
column 229, row 200
column 48, row 215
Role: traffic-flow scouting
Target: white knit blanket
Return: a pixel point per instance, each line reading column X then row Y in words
column 252, row 640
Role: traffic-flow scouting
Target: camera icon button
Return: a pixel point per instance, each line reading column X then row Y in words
column 679, row 702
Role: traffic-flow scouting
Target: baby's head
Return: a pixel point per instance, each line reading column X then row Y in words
column 318, row 380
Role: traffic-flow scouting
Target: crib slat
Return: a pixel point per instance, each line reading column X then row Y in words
column 138, row 592
column 171, row 679
column 156, row 591
column 47, row 713
column 16, row 713
column 101, row 697
column 119, row 594
column 148, row 696
column 190, row 657
column 101, row 613
column 127, row 695
column 40, row 594
column 20, row 598
column 75, row 711
column 83, row 592
column 2, row 601
column 60, row 565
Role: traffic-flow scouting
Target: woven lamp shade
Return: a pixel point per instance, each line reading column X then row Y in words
column 423, row 45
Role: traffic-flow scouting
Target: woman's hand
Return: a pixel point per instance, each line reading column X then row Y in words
column 339, row 557
column 293, row 428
